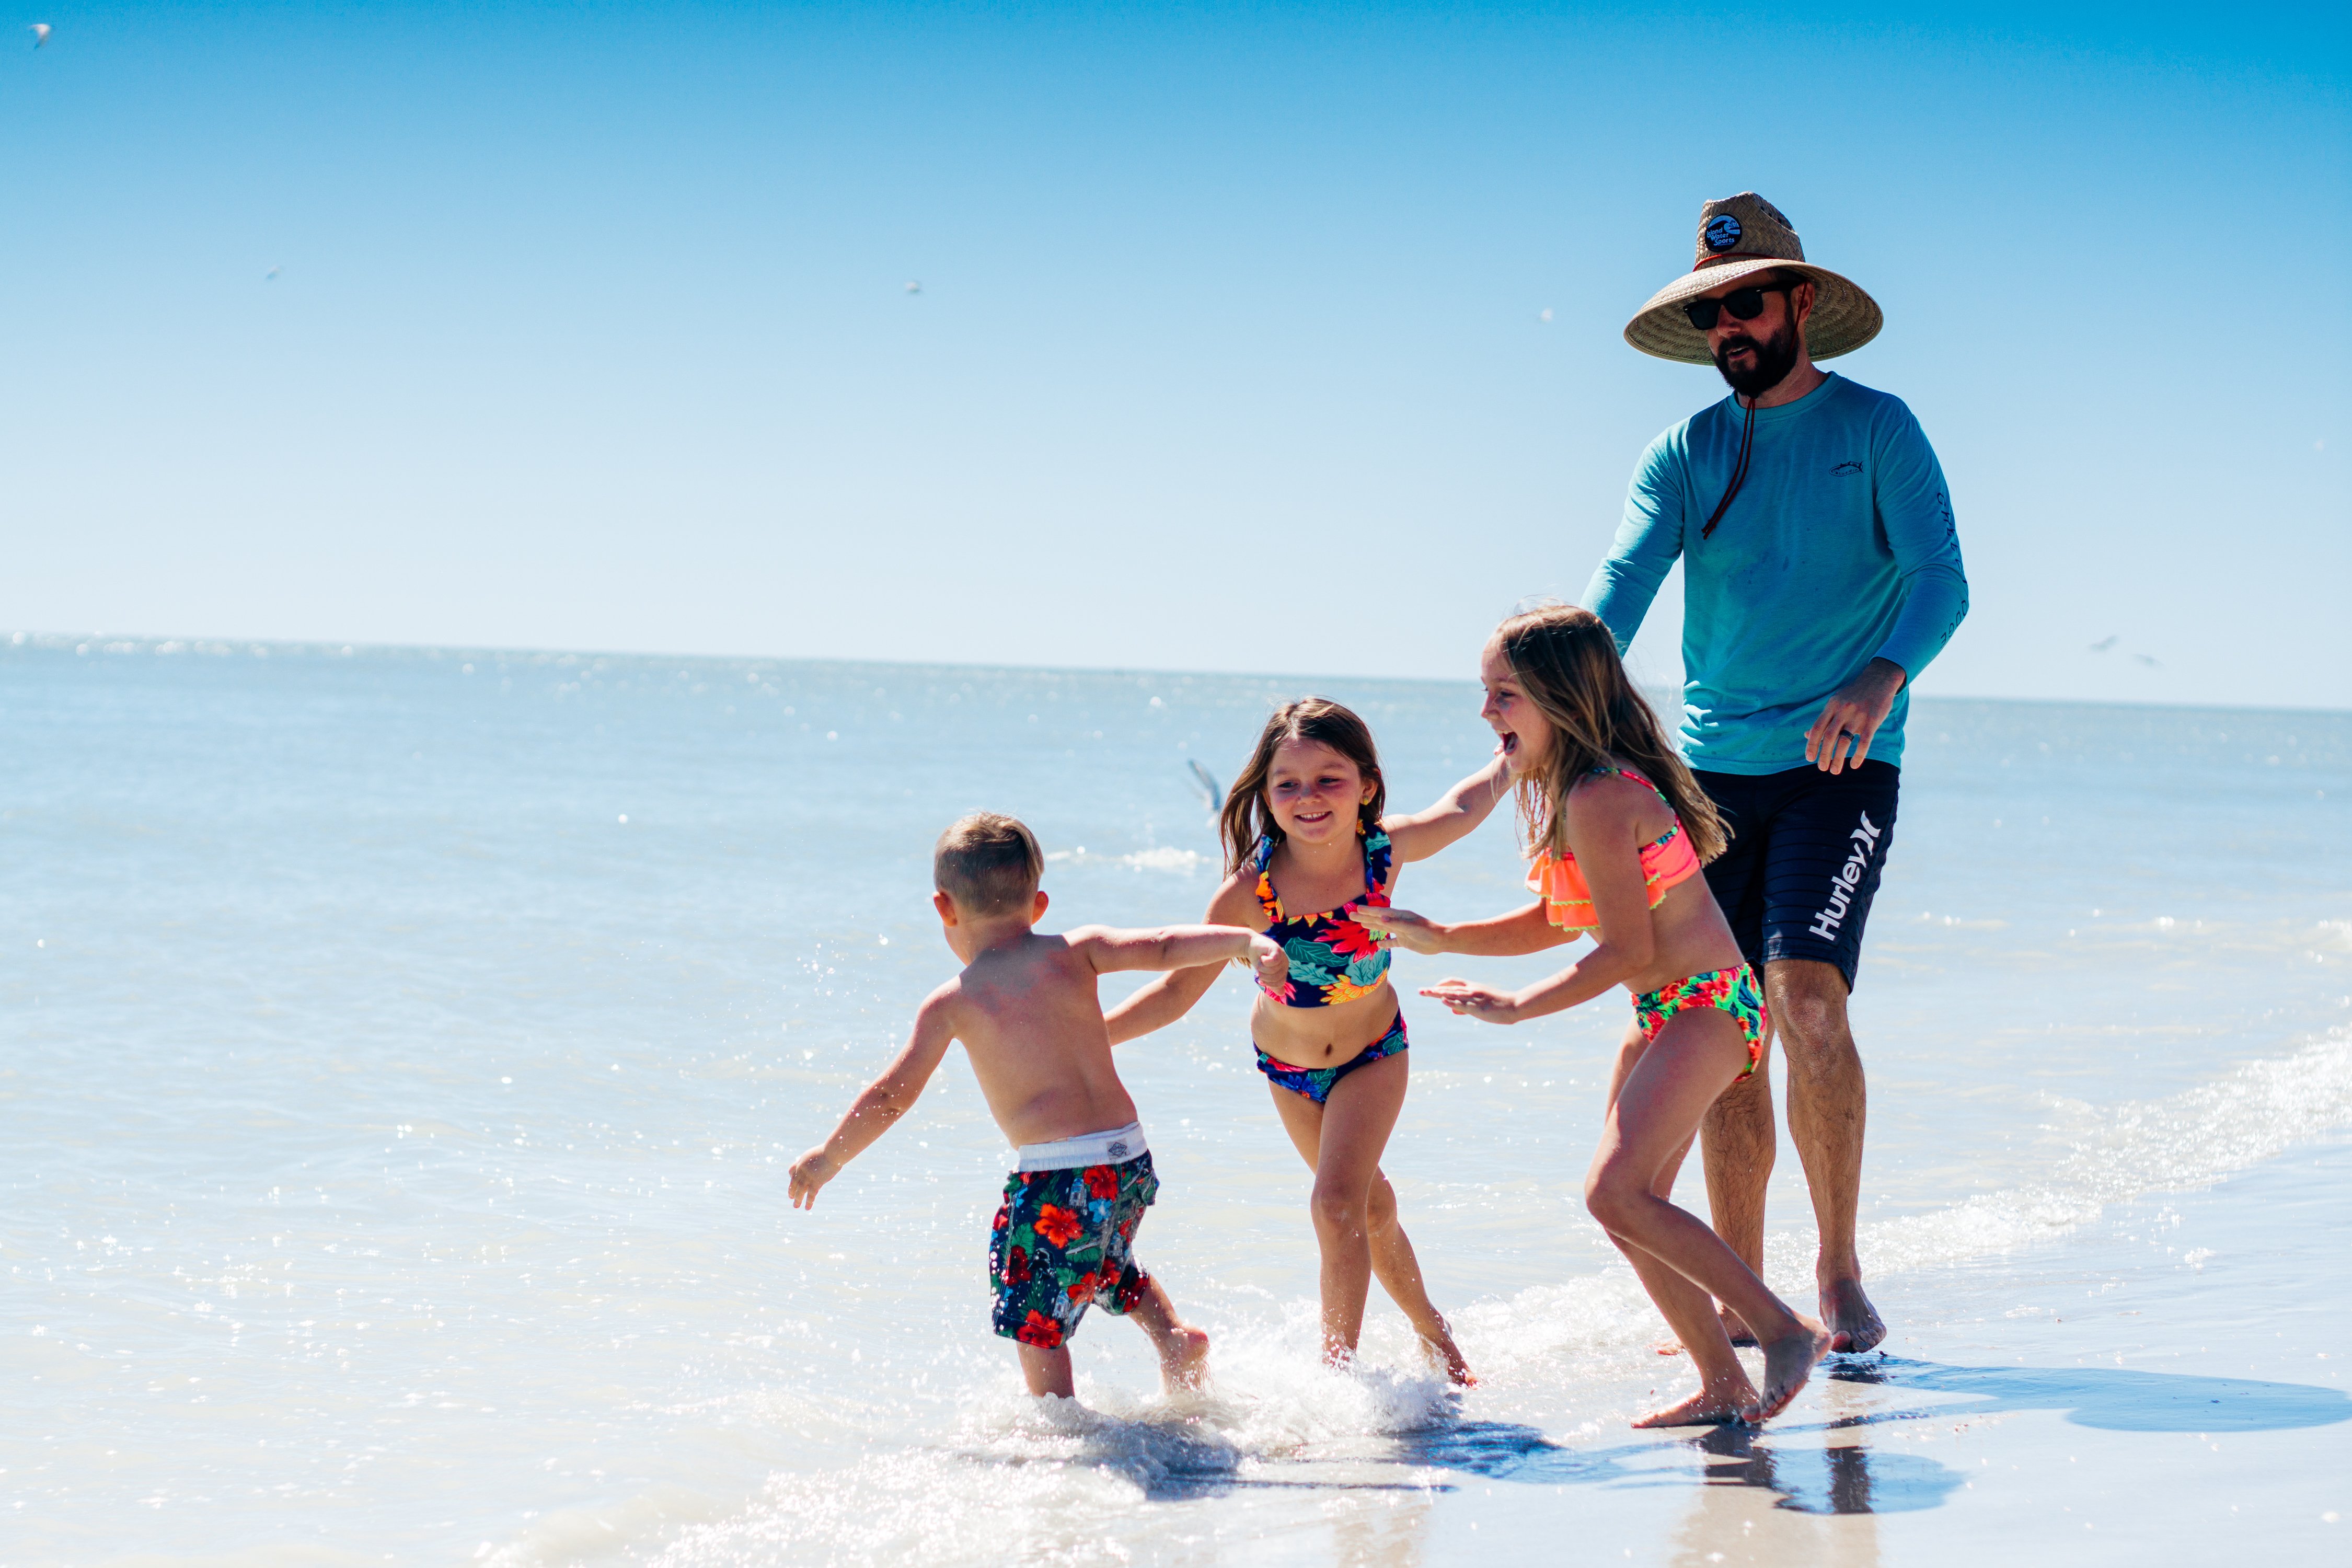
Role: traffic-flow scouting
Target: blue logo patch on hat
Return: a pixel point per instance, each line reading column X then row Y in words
column 1722, row 232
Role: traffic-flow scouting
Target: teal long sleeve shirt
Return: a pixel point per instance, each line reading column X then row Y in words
column 1839, row 548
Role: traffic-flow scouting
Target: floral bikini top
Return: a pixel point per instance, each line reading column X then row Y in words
column 1332, row 957
column 1568, row 903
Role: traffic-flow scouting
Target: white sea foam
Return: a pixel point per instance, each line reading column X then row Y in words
column 2188, row 1140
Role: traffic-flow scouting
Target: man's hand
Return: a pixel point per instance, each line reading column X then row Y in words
column 1476, row 1001
column 1269, row 962
column 1402, row 928
column 1842, row 733
column 810, row 1172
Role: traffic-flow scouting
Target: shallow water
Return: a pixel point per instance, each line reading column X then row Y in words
column 405, row 1049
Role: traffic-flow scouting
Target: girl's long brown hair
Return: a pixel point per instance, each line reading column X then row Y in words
column 1567, row 665
column 1246, row 818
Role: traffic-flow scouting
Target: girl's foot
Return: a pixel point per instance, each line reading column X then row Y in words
column 1707, row 1408
column 1184, row 1360
column 1448, row 1355
column 1788, row 1363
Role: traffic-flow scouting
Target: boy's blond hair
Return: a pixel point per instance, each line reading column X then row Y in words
column 988, row 863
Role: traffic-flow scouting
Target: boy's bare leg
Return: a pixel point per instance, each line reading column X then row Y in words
column 1828, row 1108
column 1048, row 1372
column 1183, row 1348
column 1737, row 1147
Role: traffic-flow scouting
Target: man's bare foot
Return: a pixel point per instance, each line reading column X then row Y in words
column 1184, row 1360
column 1852, row 1322
column 1788, row 1363
column 1707, row 1408
column 1447, row 1355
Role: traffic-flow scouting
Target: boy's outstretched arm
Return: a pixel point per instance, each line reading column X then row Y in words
column 1182, row 947
column 1421, row 833
column 883, row 1100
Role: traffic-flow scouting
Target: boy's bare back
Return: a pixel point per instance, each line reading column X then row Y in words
column 1029, row 1015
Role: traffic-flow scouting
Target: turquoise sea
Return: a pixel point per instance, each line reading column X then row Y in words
column 402, row 1051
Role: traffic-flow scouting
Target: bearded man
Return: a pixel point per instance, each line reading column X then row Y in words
column 1821, row 571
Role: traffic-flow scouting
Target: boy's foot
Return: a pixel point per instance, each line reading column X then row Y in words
column 1707, row 1408
column 1852, row 1322
column 1788, row 1363
column 1185, row 1359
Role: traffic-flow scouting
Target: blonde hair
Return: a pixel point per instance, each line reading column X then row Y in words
column 1567, row 665
column 988, row 863
column 1246, row 817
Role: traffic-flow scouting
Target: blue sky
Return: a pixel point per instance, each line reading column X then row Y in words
column 589, row 325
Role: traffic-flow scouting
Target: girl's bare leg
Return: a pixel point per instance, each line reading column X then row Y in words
column 1723, row 1389
column 1399, row 1272
column 1342, row 1139
column 1657, row 1108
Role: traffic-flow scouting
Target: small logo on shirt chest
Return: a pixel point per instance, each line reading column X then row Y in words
column 1846, row 470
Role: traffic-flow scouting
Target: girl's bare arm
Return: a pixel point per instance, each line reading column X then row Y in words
column 1498, row 936
column 1457, row 812
column 1603, row 821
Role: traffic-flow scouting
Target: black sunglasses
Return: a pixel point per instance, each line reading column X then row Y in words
column 1745, row 304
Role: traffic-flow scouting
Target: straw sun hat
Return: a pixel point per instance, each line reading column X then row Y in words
column 1738, row 235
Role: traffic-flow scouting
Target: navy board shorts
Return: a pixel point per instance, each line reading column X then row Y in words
column 1806, row 851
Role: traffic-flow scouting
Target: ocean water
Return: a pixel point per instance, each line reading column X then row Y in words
column 403, row 1050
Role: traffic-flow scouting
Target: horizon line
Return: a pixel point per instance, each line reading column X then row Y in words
column 82, row 642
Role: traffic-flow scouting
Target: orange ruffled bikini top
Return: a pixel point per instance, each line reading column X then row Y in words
column 1568, row 903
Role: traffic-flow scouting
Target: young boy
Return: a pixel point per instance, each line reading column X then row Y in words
column 1027, row 1013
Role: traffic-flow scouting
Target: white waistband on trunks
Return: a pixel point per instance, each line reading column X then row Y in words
column 1088, row 1148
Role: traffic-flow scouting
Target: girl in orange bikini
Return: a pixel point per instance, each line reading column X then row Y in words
column 1306, row 831
column 1619, row 829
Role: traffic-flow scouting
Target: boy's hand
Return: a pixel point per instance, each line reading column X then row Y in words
column 1402, row 928
column 1268, row 963
column 810, row 1172
column 1470, row 1000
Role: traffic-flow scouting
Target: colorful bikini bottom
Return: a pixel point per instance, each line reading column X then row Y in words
column 1316, row 1083
column 1732, row 990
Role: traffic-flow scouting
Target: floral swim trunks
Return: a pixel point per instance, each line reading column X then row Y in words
column 1065, row 1235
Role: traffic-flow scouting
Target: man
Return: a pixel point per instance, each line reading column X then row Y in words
column 1821, row 573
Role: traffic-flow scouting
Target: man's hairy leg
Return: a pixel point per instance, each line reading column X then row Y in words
column 1737, row 1147
column 1828, row 1108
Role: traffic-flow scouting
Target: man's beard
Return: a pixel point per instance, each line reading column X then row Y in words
column 1775, row 357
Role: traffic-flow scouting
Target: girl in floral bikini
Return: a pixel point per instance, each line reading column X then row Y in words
column 1304, row 830
column 1620, row 828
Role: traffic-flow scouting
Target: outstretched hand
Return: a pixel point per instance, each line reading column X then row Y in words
column 1852, row 716
column 1470, row 1000
column 811, row 1171
column 1393, row 928
column 1269, row 962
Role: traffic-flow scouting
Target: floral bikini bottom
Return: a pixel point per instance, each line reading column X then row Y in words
column 1316, row 1083
column 1732, row 990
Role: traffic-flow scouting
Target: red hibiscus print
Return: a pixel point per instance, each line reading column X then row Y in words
column 1040, row 1330
column 1003, row 1219
column 1057, row 1224
column 1082, row 1289
column 1102, row 1182
column 1016, row 1266
column 1348, row 940
column 1131, row 1290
